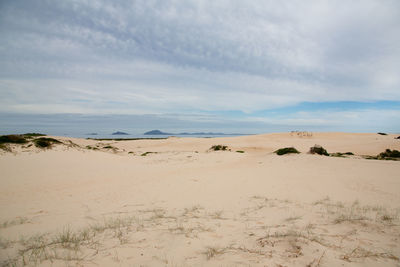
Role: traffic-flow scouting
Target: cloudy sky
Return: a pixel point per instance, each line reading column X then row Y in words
column 209, row 65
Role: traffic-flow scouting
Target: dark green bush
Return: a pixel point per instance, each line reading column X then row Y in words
column 13, row 138
column 382, row 133
column 317, row 149
column 45, row 142
column 219, row 147
column 286, row 150
column 389, row 154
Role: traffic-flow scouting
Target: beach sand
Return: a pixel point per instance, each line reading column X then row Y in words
column 81, row 204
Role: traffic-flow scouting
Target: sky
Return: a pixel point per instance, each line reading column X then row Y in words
column 183, row 65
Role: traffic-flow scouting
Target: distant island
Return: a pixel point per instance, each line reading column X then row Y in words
column 119, row 133
column 91, row 134
column 158, row 132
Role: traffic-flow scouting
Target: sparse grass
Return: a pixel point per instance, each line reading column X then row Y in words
column 239, row 151
column 362, row 253
column 92, row 147
column 218, row 148
column 293, row 218
column 317, row 149
column 341, row 155
column 17, row 221
column 211, row 252
column 286, row 150
column 45, row 142
column 147, row 153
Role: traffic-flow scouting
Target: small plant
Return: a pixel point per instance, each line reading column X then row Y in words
column 341, row 155
column 146, row 153
column 108, row 147
column 398, row 137
column 317, row 149
column 286, row 150
column 382, row 133
column 219, row 147
column 45, row 142
column 239, row 151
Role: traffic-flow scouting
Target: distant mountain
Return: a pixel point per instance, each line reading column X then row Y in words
column 201, row 133
column 156, row 132
column 120, row 133
column 91, row 134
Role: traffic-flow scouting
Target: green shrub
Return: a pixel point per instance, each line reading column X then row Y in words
column 389, row 154
column 239, row 151
column 219, row 147
column 45, row 142
column 286, row 150
column 341, row 155
column 13, row 138
column 317, row 149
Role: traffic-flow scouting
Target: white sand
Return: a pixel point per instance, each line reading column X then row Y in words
column 187, row 206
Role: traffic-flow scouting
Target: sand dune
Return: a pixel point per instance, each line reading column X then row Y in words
column 110, row 203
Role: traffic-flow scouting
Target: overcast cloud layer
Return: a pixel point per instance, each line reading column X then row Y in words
column 196, row 57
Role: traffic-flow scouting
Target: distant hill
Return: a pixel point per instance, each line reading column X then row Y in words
column 120, row 133
column 156, row 132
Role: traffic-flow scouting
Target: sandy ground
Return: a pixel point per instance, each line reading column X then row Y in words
column 184, row 205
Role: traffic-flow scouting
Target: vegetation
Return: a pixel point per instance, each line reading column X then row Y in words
column 219, row 147
column 388, row 154
column 286, row 150
column 382, row 133
column 45, row 142
column 146, row 153
column 92, row 147
column 341, row 155
column 239, row 151
column 13, row 139
column 317, row 149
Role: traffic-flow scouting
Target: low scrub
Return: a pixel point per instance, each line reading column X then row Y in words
column 219, row 147
column 317, row 149
column 45, row 142
column 341, row 155
column 286, row 150
column 389, row 154
column 13, row 139
column 382, row 133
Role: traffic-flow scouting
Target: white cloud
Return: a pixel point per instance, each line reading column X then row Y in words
column 174, row 56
